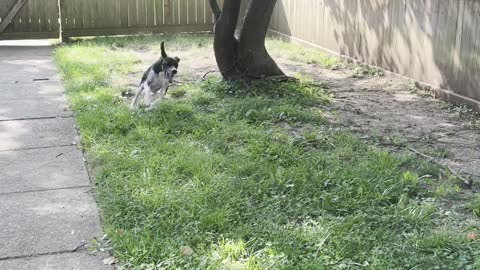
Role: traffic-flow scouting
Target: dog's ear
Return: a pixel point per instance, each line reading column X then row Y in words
column 158, row 66
column 164, row 54
column 177, row 59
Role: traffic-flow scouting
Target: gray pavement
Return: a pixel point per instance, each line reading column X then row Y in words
column 48, row 212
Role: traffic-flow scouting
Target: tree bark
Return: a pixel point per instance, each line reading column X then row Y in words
column 246, row 58
column 252, row 52
column 225, row 44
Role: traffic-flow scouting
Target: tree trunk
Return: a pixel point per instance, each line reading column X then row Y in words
column 252, row 52
column 246, row 58
column 225, row 45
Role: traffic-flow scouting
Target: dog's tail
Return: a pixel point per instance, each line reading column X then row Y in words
column 164, row 54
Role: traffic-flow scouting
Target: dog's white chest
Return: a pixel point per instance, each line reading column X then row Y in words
column 160, row 81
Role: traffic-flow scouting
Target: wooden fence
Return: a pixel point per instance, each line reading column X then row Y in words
column 36, row 19
column 433, row 41
column 110, row 17
column 40, row 18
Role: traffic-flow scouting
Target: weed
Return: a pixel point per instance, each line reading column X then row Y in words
column 412, row 87
column 362, row 71
column 177, row 93
column 465, row 113
column 474, row 205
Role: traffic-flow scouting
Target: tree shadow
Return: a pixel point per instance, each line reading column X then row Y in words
column 431, row 41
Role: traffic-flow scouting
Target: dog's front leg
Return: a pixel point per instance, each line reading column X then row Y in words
column 137, row 94
column 162, row 94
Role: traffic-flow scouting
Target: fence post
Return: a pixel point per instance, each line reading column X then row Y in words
column 60, row 21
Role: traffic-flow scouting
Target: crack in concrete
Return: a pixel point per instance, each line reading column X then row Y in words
column 37, row 118
column 43, row 190
column 34, row 148
column 79, row 248
column 37, row 98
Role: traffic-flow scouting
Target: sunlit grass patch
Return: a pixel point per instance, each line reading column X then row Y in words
column 302, row 54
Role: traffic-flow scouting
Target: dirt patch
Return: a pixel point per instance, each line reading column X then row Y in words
column 389, row 110
column 386, row 109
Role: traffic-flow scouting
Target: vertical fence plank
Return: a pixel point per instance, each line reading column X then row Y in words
column 475, row 58
column 159, row 12
column 191, row 12
column 123, row 16
column 150, row 10
column 142, row 14
column 96, row 23
column 466, row 54
column 79, row 21
column 30, row 11
column 18, row 23
column 208, row 14
column 176, row 11
column 68, row 15
column 36, row 18
column 168, row 11
column 133, row 13
column 183, row 16
column 458, row 42
column 320, row 9
column 200, row 11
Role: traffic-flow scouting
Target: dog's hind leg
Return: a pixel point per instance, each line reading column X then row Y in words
column 148, row 96
column 137, row 95
column 162, row 94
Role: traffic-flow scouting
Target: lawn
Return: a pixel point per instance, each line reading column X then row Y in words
column 233, row 176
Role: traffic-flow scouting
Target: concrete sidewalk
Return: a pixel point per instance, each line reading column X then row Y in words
column 47, row 211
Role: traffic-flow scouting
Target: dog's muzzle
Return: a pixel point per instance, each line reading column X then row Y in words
column 170, row 74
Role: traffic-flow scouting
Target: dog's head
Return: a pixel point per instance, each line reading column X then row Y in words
column 169, row 64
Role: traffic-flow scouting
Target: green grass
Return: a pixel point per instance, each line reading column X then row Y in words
column 302, row 54
column 148, row 42
column 249, row 178
column 474, row 205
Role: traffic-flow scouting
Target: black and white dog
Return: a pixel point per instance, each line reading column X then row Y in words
column 156, row 79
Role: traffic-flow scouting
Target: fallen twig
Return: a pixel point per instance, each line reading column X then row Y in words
column 472, row 174
column 467, row 182
column 211, row 71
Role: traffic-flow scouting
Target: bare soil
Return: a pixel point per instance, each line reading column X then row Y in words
column 384, row 109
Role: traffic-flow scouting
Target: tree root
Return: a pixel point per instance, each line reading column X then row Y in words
column 281, row 78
